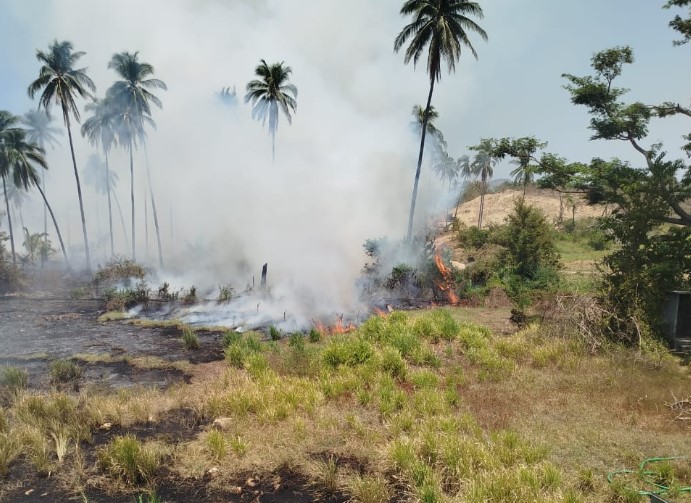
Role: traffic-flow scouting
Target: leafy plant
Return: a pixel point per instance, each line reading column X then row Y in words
column 190, row 339
column 126, row 458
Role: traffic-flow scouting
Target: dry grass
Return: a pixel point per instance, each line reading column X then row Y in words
column 428, row 404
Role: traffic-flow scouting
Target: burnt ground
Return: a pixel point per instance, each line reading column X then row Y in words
column 34, row 331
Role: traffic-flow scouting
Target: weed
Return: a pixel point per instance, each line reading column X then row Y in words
column 216, row 443
column 62, row 371
column 78, row 293
column 225, row 294
column 315, row 336
column 424, row 379
column 9, row 450
column 125, row 457
column 297, row 341
column 239, row 446
column 370, row 489
column 190, row 296
column 392, row 363
column 165, row 294
column 240, row 348
column 150, row 497
column 327, row 475
column 274, row 333
column 190, row 339
column 348, row 351
column 14, row 378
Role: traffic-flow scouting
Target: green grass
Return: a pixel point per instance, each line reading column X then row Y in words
column 190, row 339
column 13, row 378
column 130, row 460
column 63, row 371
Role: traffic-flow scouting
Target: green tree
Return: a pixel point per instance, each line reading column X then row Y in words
column 440, row 28
column 60, row 82
column 36, row 244
column 130, row 99
column 18, row 159
column 482, row 168
column 99, row 129
column 269, row 93
column 439, row 143
column 678, row 23
column 37, row 124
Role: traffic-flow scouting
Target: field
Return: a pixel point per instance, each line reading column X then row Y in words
column 413, row 406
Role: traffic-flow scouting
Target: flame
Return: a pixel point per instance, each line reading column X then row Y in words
column 337, row 328
column 447, row 284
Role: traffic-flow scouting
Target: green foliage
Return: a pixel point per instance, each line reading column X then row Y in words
column 239, row 347
column 347, row 350
column 11, row 277
column 190, row 339
column 190, row 296
column 62, row 371
column 13, row 378
column 115, row 299
column 126, row 458
column 165, row 294
column 314, row 336
column 120, row 270
column 274, row 333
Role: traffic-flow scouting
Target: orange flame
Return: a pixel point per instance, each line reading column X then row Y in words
column 337, row 328
column 446, row 285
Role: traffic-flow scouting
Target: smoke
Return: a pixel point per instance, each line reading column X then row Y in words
column 343, row 170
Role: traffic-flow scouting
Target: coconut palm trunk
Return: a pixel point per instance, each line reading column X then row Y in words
column 110, row 209
column 134, row 253
column 79, row 186
column 9, row 221
column 483, row 189
column 122, row 219
column 419, row 162
column 153, row 208
column 55, row 224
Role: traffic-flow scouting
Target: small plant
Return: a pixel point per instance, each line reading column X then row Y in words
column 151, row 497
column 315, row 336
column 327, row 474
column 165, row 294
column 14, row 378
column 239, row 446
column 370, row 489
column 78, row 293
column 216, row 442
column 190, row 339
column 190, row 297
column 274, row 333
column 62, row 371
column 9, row 450
column 225, row 294
column 297, row 341
column 127, row 458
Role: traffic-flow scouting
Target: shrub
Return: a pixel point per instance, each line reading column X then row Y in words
column 240, row 348
column 165, row 294
column 64, row 371
column 348, row 351
column 120, row 270
column 315, row 336
column 190, row 339
column 297, row 341
column 190, row 297
column 225, row 294
column 392, row 363
column 274, row 333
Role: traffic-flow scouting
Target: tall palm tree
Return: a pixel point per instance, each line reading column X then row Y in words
column 483, row 168
column 59, row 82
column 8, row 126
column 18, row 159
column 131, row 100
column 441, row 28
column 39, row 131
column 99, row 129
column 270, row 93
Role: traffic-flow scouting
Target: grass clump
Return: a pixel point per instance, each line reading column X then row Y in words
column 369, row 489
column 274, row 333
column 239, row 347
column 190, row 339
column 14, row 378
column 348, row 351
column 216, row 444
column 128, row 459
column 62, row 371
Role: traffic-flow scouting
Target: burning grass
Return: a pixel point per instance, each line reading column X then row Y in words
column 421, row 407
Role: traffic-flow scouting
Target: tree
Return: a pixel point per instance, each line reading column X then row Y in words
column 131, row 100
column 8, row 126
column 439, row 143
column 482, row 167
column 59, row 82
column 441, row 27
column 39, row 131
column 18, row 159
column 679, row 24
column 271, row 93
column 99, row 129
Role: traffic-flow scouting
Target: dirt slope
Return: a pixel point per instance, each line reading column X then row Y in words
column 499, row 205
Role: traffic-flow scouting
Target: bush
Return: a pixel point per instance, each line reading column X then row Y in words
column 120, row 270
column 274, row 333
column 122, row 299
column 315, row 336
column 225, row 294
column 239, row 348
column 348, row 351
column 64, row 371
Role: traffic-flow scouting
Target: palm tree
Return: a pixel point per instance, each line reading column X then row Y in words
column 524, row 173
column 18, row 159
column 99, row 129
column 270, row 93
column 39, row 131
column 8, row 126
column 483, row 168
column 440, row 27
column 435, row 134
column 131, row 100
column 60, row 82
column 94, row 171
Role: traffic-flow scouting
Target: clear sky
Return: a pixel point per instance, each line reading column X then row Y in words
column 344, row 168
